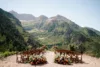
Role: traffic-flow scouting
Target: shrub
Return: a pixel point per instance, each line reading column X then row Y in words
column 6, row 53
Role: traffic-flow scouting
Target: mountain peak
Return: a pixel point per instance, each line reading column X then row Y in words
column 58, row 18
column 43, row 17
column 22, row 16
column 13, row 12
column 58, row 15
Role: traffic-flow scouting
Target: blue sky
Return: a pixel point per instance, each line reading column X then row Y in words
column 83, row 12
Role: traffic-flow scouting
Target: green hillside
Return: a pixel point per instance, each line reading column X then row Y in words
column 64, row 33
column 11, row 31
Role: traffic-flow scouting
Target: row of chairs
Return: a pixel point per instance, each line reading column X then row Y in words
column 75, row 57
column 22, row 57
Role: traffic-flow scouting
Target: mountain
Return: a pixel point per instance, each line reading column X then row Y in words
column 62, row 32
column 23, row 16
column 56, row 21
column 96, row 31
column 73, row 33
column 11, row 31
column 39, row 22
column 42, row 18
column 59, row 18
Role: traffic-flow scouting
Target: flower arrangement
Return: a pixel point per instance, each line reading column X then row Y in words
column 33, row 59
column 37, row 59
column 62, row 59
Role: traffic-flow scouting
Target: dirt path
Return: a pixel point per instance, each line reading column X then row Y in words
column 89, row 62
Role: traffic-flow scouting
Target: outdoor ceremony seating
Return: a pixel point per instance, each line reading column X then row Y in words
column 33, row 56
column 67, row 57
column 36, row 56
